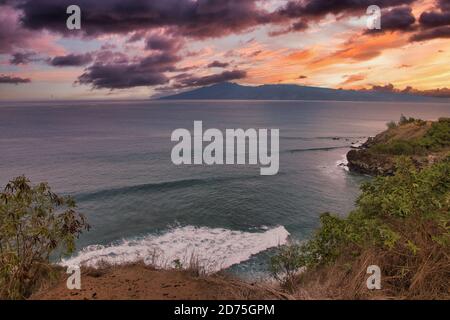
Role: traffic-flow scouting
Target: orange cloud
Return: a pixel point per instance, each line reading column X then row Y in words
column 360, row 48
column 354, row 78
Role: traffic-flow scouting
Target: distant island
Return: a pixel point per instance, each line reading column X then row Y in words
column 234, row 91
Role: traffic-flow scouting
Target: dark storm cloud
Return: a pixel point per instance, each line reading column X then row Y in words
column 115, row 70
column 320, row 8
column 218, row 64
column 198, row 19
column 434, row 19
column 5, row 79
column 440, row 16
column 71, row 60
column 396, row 19
column 195, row 19
column 19, row 58
column 149, row 71
column 435, row 33
column 163, row 42
column 193, row 81
column 434, row 24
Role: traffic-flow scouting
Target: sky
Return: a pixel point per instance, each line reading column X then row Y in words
column 137, row 49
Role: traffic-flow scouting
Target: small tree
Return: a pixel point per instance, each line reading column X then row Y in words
column 391, row 125
column 34, row 223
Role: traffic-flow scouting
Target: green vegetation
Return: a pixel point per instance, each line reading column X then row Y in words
column 435, row 139
column 404, row 120
column 401, row 223
column 34, row 223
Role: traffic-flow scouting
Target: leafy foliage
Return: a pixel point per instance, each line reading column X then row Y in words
column 34, row 223
column 436, row 138
column 405, row 216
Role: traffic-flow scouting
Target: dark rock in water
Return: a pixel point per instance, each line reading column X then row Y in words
column 362, row 161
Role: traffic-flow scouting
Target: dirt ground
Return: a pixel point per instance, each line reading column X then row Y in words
column 136, row 282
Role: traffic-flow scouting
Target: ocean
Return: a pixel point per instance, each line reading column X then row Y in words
column 113, row 157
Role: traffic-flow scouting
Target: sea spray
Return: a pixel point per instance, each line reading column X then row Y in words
column 214, row 248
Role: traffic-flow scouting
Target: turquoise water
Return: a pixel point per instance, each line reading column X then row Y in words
column 114, row 158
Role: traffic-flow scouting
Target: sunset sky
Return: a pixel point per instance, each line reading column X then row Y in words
column 144, row 48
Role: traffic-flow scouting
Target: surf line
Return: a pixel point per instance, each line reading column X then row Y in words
column 231, row 150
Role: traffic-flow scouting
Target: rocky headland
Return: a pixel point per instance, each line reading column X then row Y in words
column 424, row 142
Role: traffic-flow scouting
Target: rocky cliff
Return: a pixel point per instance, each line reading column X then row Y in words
column 425, row 142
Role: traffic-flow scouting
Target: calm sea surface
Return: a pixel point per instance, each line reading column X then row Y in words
column 114, row 158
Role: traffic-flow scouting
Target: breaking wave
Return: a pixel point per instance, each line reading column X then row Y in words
column 213, row 248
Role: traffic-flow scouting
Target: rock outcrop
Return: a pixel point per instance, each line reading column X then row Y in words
column 377, row 156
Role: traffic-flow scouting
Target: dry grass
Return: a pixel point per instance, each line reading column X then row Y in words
column 407, row 131
column 405, row 275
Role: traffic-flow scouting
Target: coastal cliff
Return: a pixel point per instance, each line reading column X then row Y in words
column 424, row 142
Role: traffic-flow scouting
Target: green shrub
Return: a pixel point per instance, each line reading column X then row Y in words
column 405, row 216
column 285, row 265
column 34, row 223
column 438, row 136
column 391, row 125
column 404, row 120
column 399, row 147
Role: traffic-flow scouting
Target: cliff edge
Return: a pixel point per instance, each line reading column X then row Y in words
column 424, row 142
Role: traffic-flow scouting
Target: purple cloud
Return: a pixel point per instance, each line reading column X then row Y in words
column 164, row 42
column 434, row 24
column 320, row 8
column 188, row 80
column 196, row 19
column 6, row 79
column 149, row 71
column 19, row 58
column 396, row 19
column 71, row 60
column 439, row 32
column 218, row 64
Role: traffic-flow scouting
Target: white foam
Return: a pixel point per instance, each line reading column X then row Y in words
column 215, row 249
column 343, row 162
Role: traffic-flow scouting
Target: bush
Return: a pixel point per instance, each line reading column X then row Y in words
column 404, row 120
column 435, row 139
column 286, row 264
column 403, row 221
column 399, row 147
column 391, row 125
column 438, row 136
column 34, row 223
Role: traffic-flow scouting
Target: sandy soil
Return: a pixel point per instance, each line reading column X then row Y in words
column 138, row 282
